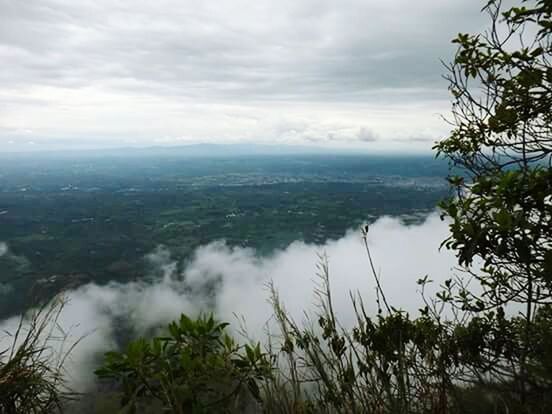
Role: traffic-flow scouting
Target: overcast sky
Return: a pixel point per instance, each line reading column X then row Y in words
column 348, row 73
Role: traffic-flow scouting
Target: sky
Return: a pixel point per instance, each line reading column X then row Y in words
column 113, row 73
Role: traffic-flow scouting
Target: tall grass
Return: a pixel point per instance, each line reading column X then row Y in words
column 32, row 375
column 387, row 363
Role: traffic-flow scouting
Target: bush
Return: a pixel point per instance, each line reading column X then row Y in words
column 196, row 368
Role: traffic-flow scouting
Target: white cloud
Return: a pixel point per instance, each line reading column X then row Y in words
column 98, row 73
column 232, row 281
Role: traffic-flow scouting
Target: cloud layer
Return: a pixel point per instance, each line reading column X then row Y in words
column 103, row 73
column 232, row 282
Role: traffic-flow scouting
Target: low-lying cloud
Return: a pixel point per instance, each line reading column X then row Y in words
column 232, row 282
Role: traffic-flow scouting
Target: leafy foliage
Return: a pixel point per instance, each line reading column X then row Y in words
column 393, row 363
column 196, row 368
column 501, row 82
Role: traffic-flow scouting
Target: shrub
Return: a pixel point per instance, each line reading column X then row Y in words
column 196, row 368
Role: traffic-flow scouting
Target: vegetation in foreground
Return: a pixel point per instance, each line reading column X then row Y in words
column 469, row 350
column 32, row 378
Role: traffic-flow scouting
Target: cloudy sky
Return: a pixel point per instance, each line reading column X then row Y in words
column 348, row 73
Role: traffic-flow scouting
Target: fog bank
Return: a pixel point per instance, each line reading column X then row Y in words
column 232, row 281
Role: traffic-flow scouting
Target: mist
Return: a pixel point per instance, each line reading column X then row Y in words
column 232, row 283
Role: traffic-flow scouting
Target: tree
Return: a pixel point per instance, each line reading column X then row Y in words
column 500, row 148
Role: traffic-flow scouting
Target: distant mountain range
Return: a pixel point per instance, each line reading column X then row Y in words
column 194, row 150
